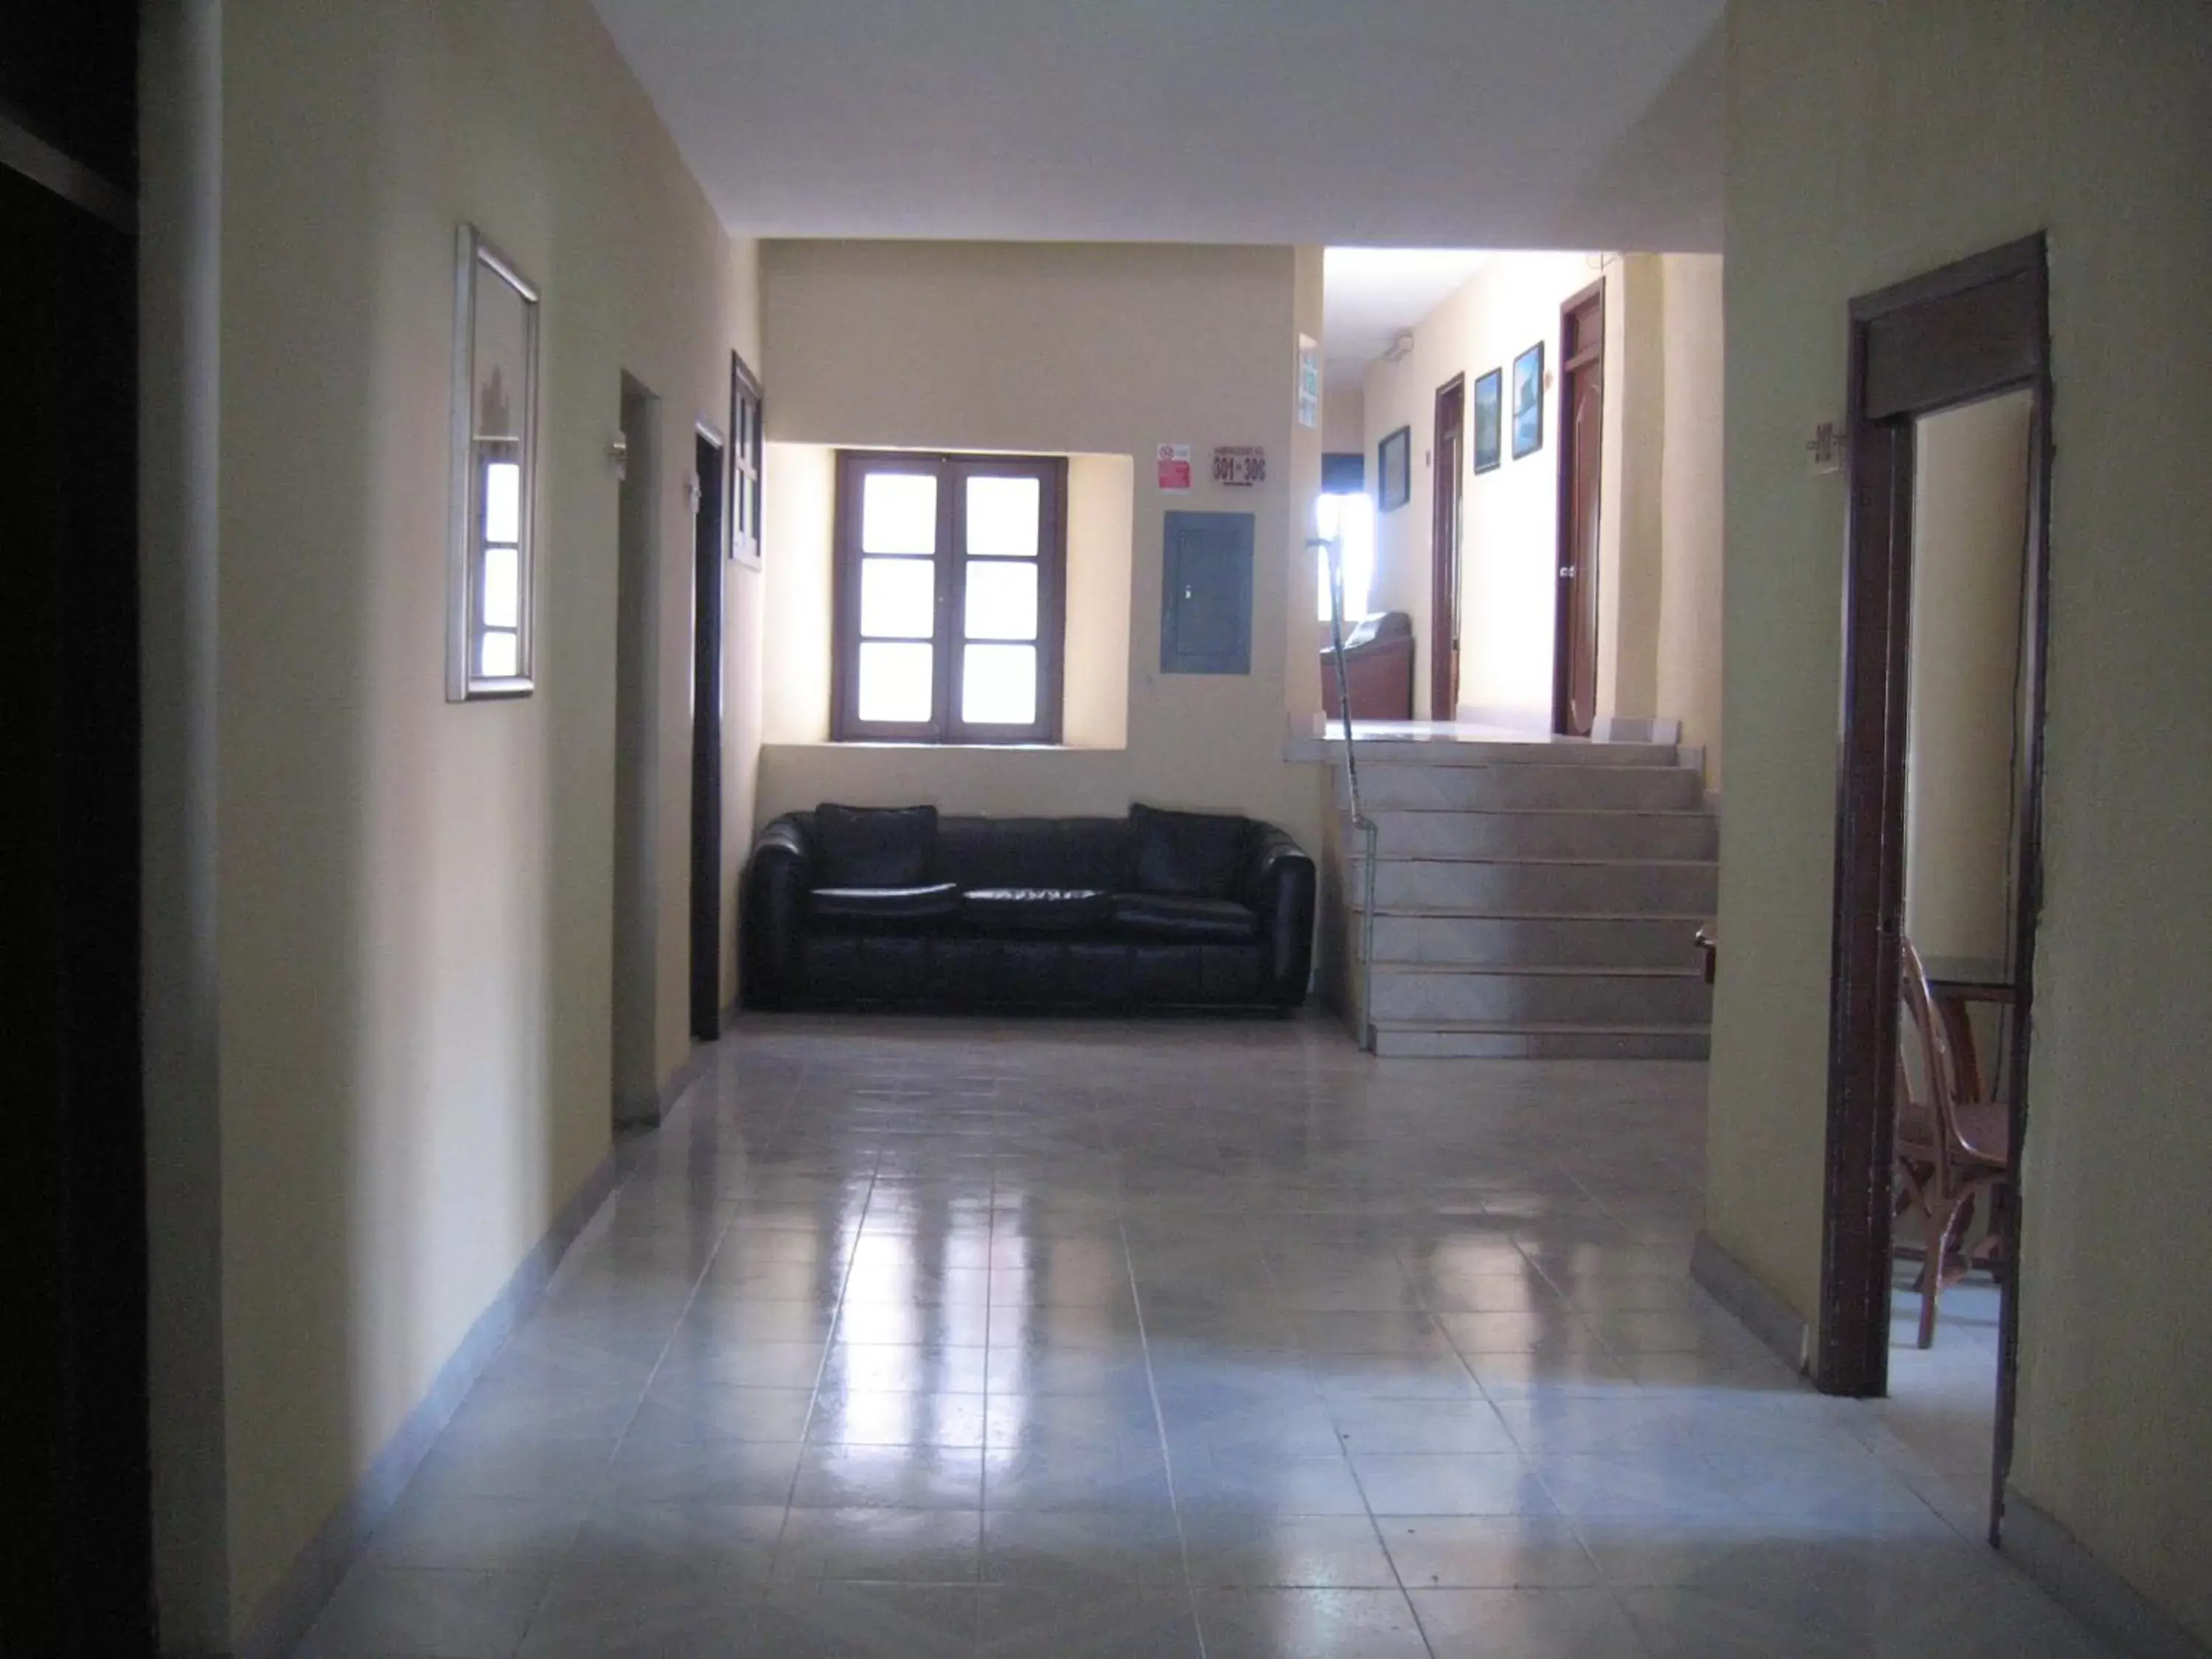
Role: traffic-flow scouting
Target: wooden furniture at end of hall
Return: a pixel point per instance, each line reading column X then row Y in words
column 1952, row 1146
column 1378, row 663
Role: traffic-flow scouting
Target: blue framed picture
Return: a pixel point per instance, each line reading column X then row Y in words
column 1529, row 401
column 1489, row 396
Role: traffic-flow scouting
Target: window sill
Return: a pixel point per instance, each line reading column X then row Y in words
column 956, row 747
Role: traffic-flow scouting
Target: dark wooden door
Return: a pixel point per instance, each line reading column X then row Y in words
column 707, row 602
column 1970, row 331
column 76, row 1570
column 1447, row 472
column 1582, row 460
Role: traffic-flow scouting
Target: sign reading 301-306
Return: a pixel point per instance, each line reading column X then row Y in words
column 1240, row 465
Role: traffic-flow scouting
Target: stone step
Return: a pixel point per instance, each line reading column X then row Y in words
column 1524, row 786
column 1595, row 939
column 1564, row 751
column 1549, row 887
column 1600, row 997
column 1477, row 1040
column 1538, row 833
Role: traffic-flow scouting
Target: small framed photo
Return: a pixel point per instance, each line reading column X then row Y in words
column 1529, row 401
column 1489, row 394
column 1394, row 469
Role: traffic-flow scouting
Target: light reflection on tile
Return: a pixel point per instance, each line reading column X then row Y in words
column 1031, row 1338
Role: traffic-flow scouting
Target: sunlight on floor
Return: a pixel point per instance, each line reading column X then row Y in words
column 1153, row 1338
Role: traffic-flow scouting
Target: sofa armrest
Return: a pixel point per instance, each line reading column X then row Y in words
column 1279, row 884
column 778, row 877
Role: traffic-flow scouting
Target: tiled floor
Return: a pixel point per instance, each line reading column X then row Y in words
column 1942, row 1401
column 916, row 1339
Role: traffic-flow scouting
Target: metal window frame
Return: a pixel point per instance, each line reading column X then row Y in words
column 474, row 255
column 746, row 461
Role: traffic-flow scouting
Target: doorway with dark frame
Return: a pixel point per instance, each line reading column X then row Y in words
column 1447, row 472
column 709, row 552
column 636, row 874
column 1582, row 456
column 76, row 1459
column 1950, row 340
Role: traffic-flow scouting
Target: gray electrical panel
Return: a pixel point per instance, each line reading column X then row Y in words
column 1206, row 596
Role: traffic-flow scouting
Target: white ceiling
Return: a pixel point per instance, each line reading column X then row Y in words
column 1371, row 293
column 1414, row 124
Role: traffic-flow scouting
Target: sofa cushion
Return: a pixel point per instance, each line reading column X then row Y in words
column 1060, row 853
column 884, row 904
column 874, row 846
column 1035, row 909
column 1198, row 854
column 1177, row 917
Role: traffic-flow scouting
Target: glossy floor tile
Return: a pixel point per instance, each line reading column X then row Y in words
column 1151, row 1339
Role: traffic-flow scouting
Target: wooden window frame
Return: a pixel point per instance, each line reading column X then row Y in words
column 952, row 471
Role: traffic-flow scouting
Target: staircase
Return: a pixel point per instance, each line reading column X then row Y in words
column 1535, row 900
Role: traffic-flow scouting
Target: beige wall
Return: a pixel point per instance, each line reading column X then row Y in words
column 1867, row 145
column 414, row 897
column 1343, row 419
column 1969, row 534
column 1687, row 638
column 1090, row 350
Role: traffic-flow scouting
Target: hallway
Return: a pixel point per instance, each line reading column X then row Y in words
column 914, row 1338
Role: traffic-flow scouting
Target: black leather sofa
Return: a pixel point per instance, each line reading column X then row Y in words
column 847, row 906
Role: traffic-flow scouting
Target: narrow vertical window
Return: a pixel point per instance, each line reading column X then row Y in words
column 950, row 578
column 489, row 610
column 745, row 448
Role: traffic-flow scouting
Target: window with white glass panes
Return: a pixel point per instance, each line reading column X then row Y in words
column 950, row 582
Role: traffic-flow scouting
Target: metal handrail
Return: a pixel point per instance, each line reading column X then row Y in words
column 1334, row 545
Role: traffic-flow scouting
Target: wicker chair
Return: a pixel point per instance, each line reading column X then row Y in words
column 1951, row 1151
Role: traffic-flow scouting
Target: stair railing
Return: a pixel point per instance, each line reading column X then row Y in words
column 1333, row 544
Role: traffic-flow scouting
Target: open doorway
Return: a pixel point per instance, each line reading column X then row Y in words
column 1448, row 470
column 708, row 550
column 637, row 628
column 1582, row 466
column 1938, row 846
column 75, row 1390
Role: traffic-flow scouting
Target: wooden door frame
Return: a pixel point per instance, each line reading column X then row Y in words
column 1968, row 331
column 1444, row 552
column 710, row 522
column 1562, row 587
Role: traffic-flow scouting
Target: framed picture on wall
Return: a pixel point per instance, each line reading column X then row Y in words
column 1394, row 469
column 1489, row 392
column 1529, row 401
